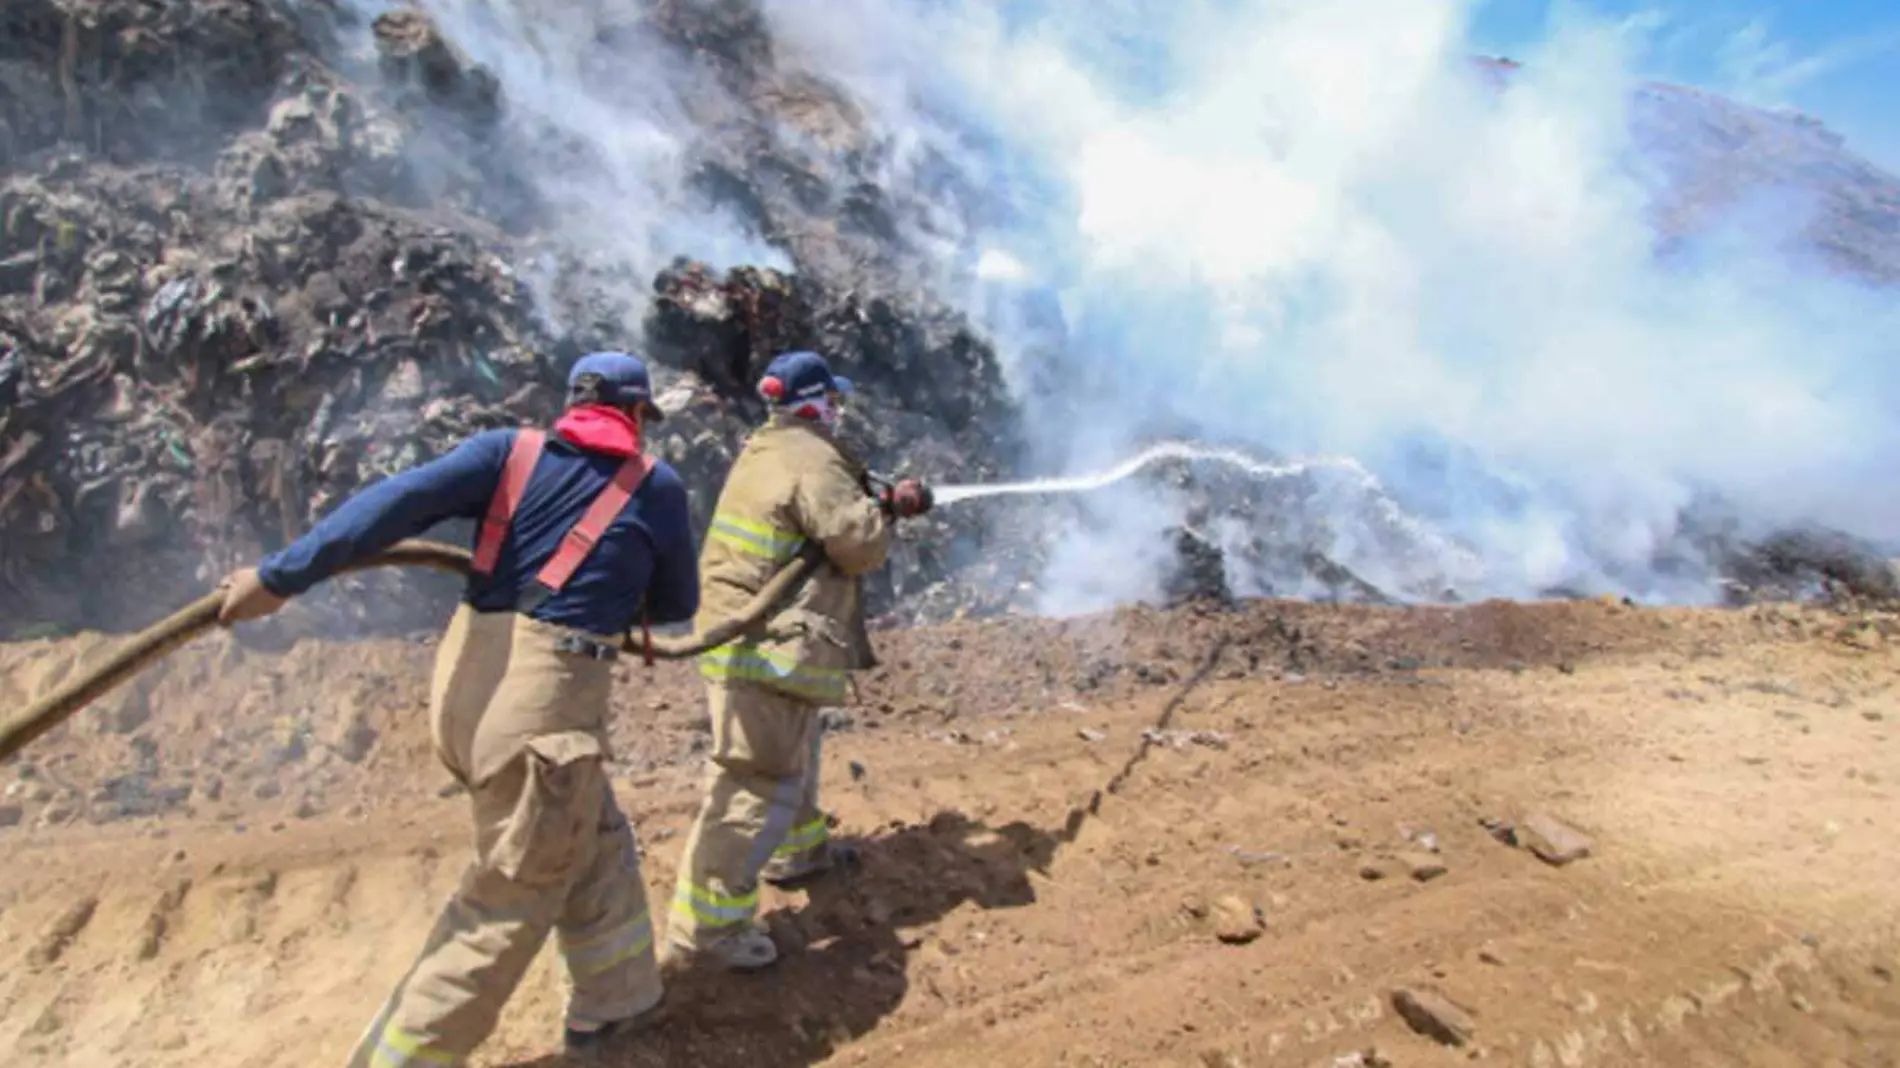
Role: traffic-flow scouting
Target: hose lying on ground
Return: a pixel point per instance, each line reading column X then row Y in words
column 174, row 631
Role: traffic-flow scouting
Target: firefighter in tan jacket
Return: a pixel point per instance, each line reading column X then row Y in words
column 792, row 484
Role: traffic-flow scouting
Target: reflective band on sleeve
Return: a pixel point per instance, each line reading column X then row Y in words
column 752, row 664
column 701, row 906
column 592, row 956
column 399, row 1049
column 756, row 539
column 804, row 839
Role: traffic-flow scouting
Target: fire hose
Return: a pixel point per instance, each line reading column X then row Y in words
column 186, row 624
column 181, row 627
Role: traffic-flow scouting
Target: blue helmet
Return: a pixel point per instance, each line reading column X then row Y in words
column 793, row 377
column 616, row 378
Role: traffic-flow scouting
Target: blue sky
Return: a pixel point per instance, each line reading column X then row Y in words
column 1838, row 60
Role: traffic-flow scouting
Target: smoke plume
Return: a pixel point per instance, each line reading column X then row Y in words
column 1319, row 228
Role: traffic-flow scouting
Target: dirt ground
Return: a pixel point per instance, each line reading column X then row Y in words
column 231, row 862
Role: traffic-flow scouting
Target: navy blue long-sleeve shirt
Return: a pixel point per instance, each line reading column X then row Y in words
column 646, row 552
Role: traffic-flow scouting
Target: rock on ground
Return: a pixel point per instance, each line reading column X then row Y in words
column 1237, row 921
column 1432, row 1014
column 1552, row 840
column 1424, row 867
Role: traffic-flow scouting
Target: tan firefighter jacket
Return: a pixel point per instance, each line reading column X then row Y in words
column 792, row 483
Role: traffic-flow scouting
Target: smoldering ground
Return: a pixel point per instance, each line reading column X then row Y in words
column 1319, row 228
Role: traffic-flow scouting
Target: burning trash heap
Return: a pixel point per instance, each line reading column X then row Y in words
column 253, row 257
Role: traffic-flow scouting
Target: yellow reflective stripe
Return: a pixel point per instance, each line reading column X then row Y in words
column 617, row 945
column 783, row 663
column 776, row 669
column 810, row 836
column 764, row 530
column 399, row 1049
column 756, row 539
column 700, row 905
column 745, row 902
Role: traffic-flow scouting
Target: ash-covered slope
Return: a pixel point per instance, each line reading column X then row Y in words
column 1719, row 154
column 257, row 253
column 1715, row 154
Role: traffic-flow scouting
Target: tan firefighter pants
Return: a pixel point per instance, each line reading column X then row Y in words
column 519, row 723
column 761, row 804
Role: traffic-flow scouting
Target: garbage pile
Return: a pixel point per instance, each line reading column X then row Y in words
column 130, row 81
column 1199, row 569
column 211, row 331
column 1811, row 565
column 254, row 255
column 212, row 399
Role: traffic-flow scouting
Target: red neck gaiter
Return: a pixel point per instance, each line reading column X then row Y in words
column 601, row 428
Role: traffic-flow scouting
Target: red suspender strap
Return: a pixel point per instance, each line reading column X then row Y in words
column 579, row 541
column 522, row 457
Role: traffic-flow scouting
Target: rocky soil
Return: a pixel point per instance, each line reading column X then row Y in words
column 1285, row 834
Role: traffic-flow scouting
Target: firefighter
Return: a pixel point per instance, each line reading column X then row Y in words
column 582, row 535
column 792, row 483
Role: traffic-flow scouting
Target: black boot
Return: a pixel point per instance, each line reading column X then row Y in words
column 589, row 1047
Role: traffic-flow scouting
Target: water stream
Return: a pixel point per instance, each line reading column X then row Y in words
column 1166, row 450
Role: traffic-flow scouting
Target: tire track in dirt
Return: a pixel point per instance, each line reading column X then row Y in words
column 60, row 934
column 200, row 955
column 159, row 920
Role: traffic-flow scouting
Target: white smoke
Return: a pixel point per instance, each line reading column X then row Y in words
column 1313, row 228
column 588, row 74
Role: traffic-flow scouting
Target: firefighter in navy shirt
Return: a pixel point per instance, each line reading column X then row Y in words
column 582, row 537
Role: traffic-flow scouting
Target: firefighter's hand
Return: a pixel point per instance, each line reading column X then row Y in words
column 907, row 498
column 246, row 597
